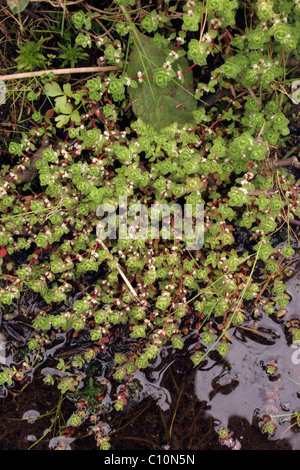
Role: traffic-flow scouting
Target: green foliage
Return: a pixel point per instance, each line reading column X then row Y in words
column 30, row 56
column 166, row 98
column 17, row 6
column 71, row 55
column 141, row 132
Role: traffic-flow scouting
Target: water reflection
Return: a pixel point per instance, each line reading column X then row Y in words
column 178, row 407
column 242, row 390
column 258, row 382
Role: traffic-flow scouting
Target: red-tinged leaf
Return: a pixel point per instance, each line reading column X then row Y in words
column 67, row 432
column 3, row 252
column 49, row 113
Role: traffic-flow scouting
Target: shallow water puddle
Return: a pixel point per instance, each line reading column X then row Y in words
column 177, row 407
column 185, row 408
column 241, row 386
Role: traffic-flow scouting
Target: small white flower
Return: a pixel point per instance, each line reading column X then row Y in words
column 206, row 38
column 140, row 76
column 174, row 54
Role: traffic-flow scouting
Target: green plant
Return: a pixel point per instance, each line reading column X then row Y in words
column 17, row 6
column 71, row 54
column 149, row 133
column 30, row 56
column 166, row 97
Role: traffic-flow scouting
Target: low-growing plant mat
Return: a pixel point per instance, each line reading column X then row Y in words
column 149, row 224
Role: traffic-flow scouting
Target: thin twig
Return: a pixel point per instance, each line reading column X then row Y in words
column 121, row 274
column 39, row 73
column 53, row 4
column 259, row 191
column 294, row 222
column 254, row 96
column 292, row 161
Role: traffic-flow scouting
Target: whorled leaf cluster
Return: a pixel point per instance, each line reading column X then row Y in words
column 104, row 147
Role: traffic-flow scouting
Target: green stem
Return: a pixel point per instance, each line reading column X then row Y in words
column 138, row 43
column 132, row 26
column 56, row 412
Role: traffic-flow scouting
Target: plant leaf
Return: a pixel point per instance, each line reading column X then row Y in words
column 68, row 90
column 160, row 107
column 62, row 106
column 75, row 117
column 53, row 89
column 17, row 6
column 62, row 120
